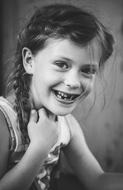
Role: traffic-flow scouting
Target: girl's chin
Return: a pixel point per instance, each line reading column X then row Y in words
column 62, row 112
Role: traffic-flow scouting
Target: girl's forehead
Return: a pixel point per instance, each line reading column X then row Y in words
column 66, row 47
column 64, row 42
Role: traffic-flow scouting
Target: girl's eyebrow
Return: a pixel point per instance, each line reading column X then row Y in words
column 66, row 58
column 93, row 65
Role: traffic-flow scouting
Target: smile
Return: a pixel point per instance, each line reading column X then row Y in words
column 66, row 97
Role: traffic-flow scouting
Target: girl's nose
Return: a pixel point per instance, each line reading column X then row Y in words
column 72, row 81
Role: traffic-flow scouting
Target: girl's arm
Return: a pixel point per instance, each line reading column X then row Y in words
column 22, row 175
column 84, row 163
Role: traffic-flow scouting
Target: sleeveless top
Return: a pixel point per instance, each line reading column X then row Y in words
column 18, row 147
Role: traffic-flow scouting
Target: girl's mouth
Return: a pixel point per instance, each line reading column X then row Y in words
column 65, row 97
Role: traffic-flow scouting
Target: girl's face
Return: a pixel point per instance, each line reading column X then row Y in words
column 63, row 74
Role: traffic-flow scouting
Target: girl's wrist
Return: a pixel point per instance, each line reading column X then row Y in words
column 39, row 148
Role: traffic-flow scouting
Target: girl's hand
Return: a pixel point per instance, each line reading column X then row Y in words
column 42, row 130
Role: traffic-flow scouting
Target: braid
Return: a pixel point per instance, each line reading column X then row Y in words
column 21, row 82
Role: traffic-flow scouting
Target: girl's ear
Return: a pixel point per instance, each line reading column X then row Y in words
column 28, row 60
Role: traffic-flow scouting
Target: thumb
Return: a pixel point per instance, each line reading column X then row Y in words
column 33, row 116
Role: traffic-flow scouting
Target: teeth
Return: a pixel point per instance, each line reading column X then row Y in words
column 64, row 96
column 72, row 97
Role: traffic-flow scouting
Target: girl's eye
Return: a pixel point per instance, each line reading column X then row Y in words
column 89, row 70
column 62, row 65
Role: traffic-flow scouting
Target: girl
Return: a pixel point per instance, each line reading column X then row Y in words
column 59, row 53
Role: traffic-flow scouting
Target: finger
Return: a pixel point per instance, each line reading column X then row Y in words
column 33, row 116
column 42, row 113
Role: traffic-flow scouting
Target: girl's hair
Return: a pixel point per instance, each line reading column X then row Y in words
column 58, row 21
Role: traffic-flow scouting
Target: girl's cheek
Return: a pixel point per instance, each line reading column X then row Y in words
column 88, row 86
column 87, row 83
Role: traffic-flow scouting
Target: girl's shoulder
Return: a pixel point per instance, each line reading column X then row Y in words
column 4, row 119
column 4, row 143
column 4, row 132
column 5, row 123
column 16, row 141
column 9, row 118
column 8, row 115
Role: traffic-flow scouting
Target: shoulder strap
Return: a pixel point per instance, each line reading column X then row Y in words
column 9, row 125
column 11, row 118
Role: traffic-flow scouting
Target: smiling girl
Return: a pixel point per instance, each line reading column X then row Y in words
column 59, row 54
